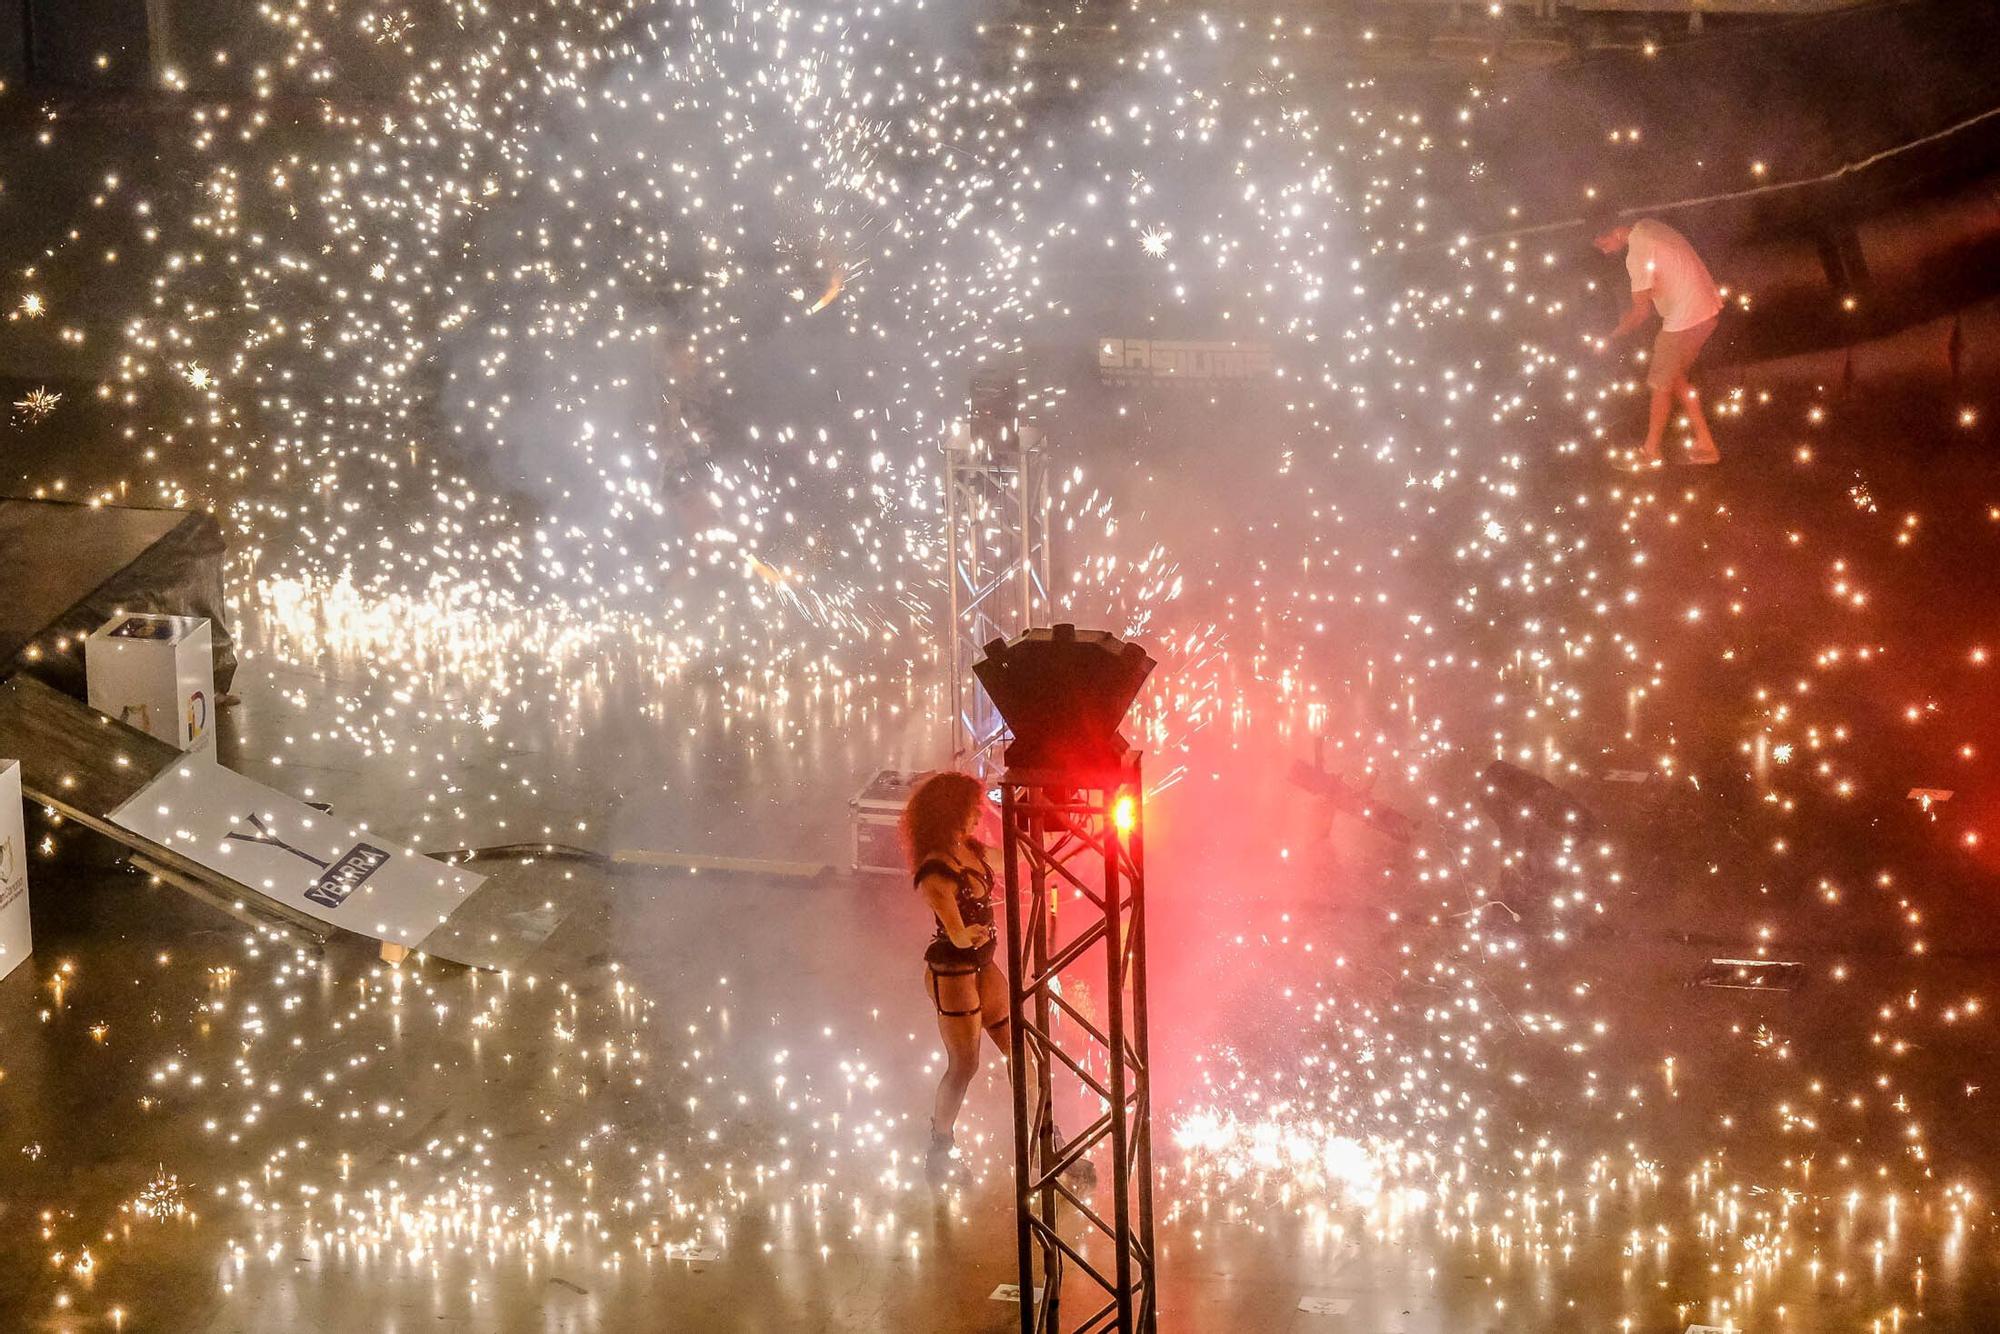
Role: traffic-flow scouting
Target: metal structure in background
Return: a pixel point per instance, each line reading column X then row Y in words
column 1069, row 833
column 997, row 523
column 1459, row 10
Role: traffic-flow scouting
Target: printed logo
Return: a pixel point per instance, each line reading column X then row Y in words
column 1161, row 360
column 347, row 875
column 197, row 715
column 338, row 878
column 13, row 882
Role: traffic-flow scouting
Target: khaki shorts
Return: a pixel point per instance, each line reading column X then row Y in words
column 1674, row 353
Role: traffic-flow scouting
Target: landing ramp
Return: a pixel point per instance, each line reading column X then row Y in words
column 208, row 826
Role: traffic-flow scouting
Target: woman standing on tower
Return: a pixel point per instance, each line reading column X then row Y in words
column 950, row 870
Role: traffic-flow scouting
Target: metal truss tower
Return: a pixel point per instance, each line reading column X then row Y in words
column 997, row 522
column 1078, row 836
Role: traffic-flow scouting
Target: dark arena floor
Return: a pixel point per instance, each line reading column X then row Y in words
column 568, row 381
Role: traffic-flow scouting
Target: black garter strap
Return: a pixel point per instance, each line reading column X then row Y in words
column 937, row 973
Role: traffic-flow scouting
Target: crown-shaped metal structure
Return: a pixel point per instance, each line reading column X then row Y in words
column 1063, row 693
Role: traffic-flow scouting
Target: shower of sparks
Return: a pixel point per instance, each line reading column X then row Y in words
column 38, row 404
column 393, row 28
column 833, row 289
column 163, row 1197
column 505, row 388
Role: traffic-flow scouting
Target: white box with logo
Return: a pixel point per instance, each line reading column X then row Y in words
column 156, row 673
column 16, row 940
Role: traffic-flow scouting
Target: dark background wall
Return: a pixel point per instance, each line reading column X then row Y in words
column 57, row 43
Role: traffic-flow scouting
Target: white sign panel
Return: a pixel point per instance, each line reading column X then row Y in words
column 1011, row 1292
column 313, row 862
column 16, row 940
column 1326, row 1305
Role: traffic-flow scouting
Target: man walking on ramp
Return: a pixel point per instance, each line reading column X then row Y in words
column 1668, row 276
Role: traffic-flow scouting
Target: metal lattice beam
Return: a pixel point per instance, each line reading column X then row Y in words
column 1063, row 838
column 997, row 524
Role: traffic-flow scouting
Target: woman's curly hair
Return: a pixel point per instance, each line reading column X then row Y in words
column 936, row 814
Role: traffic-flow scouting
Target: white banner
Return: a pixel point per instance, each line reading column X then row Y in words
column 315, row 863
column 16, row 939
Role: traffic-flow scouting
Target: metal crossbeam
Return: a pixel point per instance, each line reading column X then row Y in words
column 997, row 524
column 1061, row 834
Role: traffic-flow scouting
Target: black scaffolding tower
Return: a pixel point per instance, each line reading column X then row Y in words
column 1072, row 814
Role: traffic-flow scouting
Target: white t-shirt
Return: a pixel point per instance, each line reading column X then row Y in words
column 1659, row 257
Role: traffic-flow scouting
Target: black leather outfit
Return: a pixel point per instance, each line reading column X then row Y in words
column 975, row 887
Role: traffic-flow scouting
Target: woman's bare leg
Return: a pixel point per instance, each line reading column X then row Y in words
column 960, row 1035
column 993, row 1016
column 999, row 1026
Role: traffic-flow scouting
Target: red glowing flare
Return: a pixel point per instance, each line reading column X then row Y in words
column 1125, row 813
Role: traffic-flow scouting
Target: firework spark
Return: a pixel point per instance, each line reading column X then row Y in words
column 36, row 406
